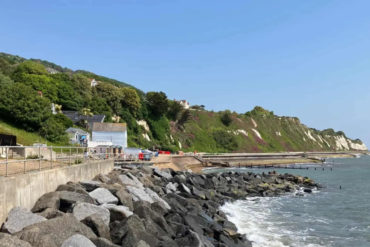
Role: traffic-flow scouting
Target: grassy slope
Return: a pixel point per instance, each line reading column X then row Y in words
column 278, row 134
column 23, row 137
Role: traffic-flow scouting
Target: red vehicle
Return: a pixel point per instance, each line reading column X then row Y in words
column 164, row 152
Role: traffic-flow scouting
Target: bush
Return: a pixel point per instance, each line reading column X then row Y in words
column 174, row 110
column 157, row 103
column 226, row 118
column 54, row 131
column 225, row 140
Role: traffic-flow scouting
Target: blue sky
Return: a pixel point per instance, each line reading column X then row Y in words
column 309, row 59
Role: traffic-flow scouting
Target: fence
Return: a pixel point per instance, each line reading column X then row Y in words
column 22, row 159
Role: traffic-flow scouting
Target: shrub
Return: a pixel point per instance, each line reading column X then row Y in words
column 225, row 140
column 226, row 118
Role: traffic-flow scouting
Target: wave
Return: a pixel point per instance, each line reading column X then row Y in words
column 265, row 224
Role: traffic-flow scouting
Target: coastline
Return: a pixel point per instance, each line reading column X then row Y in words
column 151, row 206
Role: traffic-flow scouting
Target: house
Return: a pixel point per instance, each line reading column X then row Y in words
column 76, row 117
column 116, row 133
column 78, row 136
column 184, row 104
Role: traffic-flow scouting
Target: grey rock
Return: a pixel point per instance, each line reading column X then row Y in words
column 117, row 212
column 90, row 185
column 142, row 243
column 83, row 210
column 103, row 196
column 73, row 187
column 139, row 194
column 48, row 200
column 102, row 178
column 78, row 240
column 171, row 187
column 184, row 188
column 199, row 193
column 19, row 218
column 7, row 240
column 125, row 198
column 51, row 213
column 130, row 180
column 162, row 174
column 97, row 225
column 102, row 242
column 156, row 198
column 68, row 198
column 53, row 232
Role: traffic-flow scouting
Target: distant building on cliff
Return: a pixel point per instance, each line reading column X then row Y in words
column 77, row 118
column 114, row 133
column 184, row 103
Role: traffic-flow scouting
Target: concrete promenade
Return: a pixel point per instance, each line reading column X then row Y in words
column 24, row 189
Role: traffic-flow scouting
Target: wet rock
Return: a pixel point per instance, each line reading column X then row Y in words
column 78, row 240
column 90, row 185
column 103, row 196
column 307, row 190
column 19, row 218
column 7, row 240
column 53, row 232
column 83, row 210
column 97, row 225
column 184, row 188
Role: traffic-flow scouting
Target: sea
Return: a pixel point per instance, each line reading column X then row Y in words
column 336, row 215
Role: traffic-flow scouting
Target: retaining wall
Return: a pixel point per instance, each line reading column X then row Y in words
column 24, row 189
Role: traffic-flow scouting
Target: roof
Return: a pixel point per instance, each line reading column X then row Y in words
column 76, row 117
column 76, row 130
column 109, row 127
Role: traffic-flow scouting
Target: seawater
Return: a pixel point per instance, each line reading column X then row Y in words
column 336, row 215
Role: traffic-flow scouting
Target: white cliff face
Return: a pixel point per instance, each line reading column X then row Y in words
column 144, row 124
column 257, row 133
column 146, row 137
column 341, row 143
column 357, row 146
column 309, row 135
column 254, row 123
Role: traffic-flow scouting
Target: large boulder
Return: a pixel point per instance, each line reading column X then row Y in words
column 48, row 200
column 51, row 213
column 102, row 178
column 117, row 212
column 7, row 240
column 103, row 196
column 97, row 225
column 102, row 242
column 125, row 198
column 139, row 194
column 83, row 210
column 52, row 233
column 171, row 187
column 78, row 240
column 19, row 218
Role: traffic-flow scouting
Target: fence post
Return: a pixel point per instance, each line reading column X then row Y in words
column 51, row 156
column 25, row 160
column 39, row 158
column 6, row 162
column 70, row 154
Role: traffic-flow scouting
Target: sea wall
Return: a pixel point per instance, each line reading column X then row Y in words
column 24, row 189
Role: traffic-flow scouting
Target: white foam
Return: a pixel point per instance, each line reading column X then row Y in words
column 257, row 219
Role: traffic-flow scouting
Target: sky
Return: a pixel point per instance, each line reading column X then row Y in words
column 309, row 59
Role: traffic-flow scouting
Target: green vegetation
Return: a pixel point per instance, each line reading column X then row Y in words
column 29, row 87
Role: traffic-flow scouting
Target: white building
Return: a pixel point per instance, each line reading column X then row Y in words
column 184, row 104
column 115, row 133
column 93, row 83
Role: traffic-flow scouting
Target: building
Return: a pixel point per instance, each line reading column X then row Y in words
column 76, row 117
column 184, row 104
column 78, row 136
column 116, row 133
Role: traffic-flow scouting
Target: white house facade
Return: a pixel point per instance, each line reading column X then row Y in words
column 115, row 133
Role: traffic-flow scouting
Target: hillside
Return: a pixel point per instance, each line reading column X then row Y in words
column 28, row 88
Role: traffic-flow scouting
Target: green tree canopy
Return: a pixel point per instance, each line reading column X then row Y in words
column 157, row 103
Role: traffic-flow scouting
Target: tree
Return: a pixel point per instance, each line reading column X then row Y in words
column 185, row 116
column 53, row 130
column 174, row 110
column 111, row 94
column 130, row 99
column 157, row 103
column 226, row 118
column 225, row 140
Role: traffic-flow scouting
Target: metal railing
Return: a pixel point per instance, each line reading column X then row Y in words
column 23, row 159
